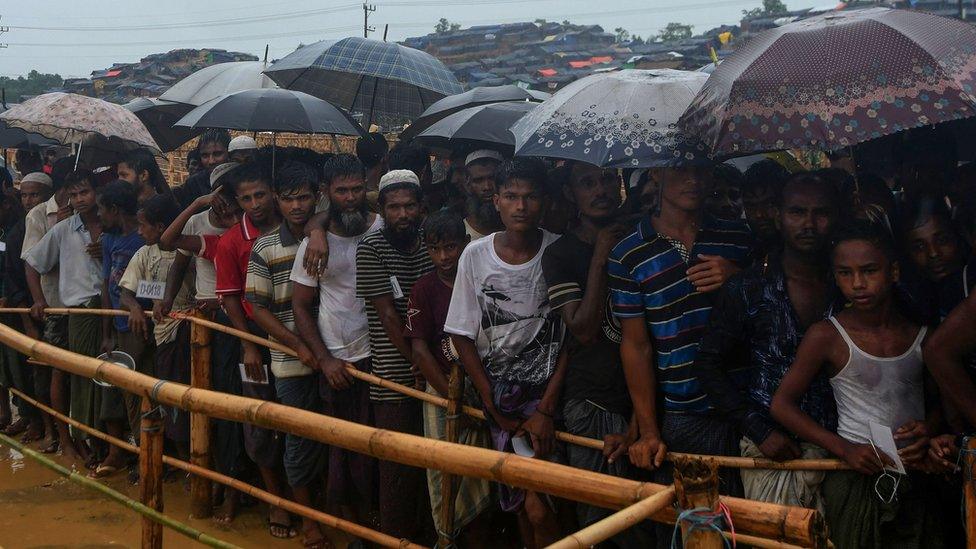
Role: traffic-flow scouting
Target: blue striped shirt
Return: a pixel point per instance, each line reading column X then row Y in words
column 647, row 280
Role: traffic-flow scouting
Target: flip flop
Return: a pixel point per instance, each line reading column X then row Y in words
column 51, row 448
column 103, row 471
column 16, row 427
column 291, row 531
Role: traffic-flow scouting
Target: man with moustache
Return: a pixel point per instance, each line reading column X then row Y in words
column 662, row 277
column 338, row 333
column 388, row 263
column 753, row 333
column 212, row 151
column 595, row 401
column 481, row 217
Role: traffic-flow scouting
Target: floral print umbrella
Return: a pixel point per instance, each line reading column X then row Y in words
column 69, row 118
column 837, row 80
column 625, row 119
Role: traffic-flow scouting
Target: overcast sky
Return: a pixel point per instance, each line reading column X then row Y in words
column 73, row 38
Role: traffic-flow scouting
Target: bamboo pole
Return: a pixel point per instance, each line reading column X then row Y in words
column 969, row 489
column 792, row 524
column 696, row 484
column 127, row 502
column 253, row 491
column 618, row 522
column 151, row 472
column 200, row 487
column 734, row 462
column 448, row 481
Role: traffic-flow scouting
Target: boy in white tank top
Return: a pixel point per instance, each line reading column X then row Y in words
column 872, row 354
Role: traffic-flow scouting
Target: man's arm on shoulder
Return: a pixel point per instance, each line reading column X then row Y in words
column 945, row 353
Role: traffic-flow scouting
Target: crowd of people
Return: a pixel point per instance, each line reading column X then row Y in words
column 700, row 309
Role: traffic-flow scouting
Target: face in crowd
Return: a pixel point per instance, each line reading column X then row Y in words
column 347, row 202
column 33, row 193
column 298, row 205
column 521, row 204
column 594, row 191
column 82, row 196
column 402, row 212
column 864, row 273
column 256, row 200
column 807, row 216
column 759, row 205
column 212, row 154
column 934, row 248
column 682, row 188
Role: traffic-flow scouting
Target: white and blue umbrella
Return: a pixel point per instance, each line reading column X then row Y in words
column 624, row 119
column 484, row 126
column 383, row 81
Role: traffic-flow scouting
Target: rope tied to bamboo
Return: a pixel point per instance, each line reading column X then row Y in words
column 158, row 412
column 154, row 392
column 703, row 518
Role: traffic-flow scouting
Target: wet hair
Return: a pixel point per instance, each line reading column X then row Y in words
column 120, row 194
column 308, row 157
column 214, row 135
column 444, row 226
column 60, row 170
column 371, row 149
column 410, row 156
column 192, row 155
column 293, row 176
column 817, row 180
column 161, row 209
column 418, row 194
column 728, row 174
column 342, row 165
column 28, row 161
column 254, row 171
column 919, row 211
column 868, row 231
column 142, row 160
column 77, row 177
column 532, row 170
column 767, row 174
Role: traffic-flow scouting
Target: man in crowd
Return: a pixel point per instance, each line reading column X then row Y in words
column 74, row 245
column 212, row 147
column 595, row 401
column 51, row 385
column 661, row 278
column 761, row 186
column 242, row 149
column 269, row 291
column 388, row 263
column 481, row 218
column 372, row 150
column 251, row 187
column 14, row 372
column 416, row 158
column 338, row 333
column 753, row 333
column 508, row 338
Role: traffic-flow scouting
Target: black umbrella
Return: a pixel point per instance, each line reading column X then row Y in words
column 159, row 116
column 272, row 110
column 483, row 126
column 471, row 98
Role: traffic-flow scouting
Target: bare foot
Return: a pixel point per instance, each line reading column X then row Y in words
column 49, row 445
column 17, row 427
column 279, row 524
column 313, row 537
column 70, row 451
column 34, row 432
column 225, row 513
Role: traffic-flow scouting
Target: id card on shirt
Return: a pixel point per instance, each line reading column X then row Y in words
column 151, row 289
column 397, row 290
column 248, row 379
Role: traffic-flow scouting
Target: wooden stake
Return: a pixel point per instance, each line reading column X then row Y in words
column 618, row 522
column 969, row 489
column 451, row 434
column 696, row 484
column 200, row 487
column 151, row 472
column 791, row 524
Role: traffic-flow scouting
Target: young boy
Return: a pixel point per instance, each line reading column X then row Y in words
column 509, row 338
column 117, row 206
column 251, row 187
column 873, row 355
column 145, row 278
column 268, row 289
column 73, row 246
column 445, row 237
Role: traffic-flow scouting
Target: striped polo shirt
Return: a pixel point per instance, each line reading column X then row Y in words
column 268, row 285
column 647, row 279
column 381, row 270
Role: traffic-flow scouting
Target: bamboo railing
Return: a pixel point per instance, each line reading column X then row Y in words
column 796, row 526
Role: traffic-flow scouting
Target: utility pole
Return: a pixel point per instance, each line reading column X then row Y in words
column 367, row 9
column 3, row 29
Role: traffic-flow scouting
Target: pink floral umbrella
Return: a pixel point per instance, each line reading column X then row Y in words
column 70, row 118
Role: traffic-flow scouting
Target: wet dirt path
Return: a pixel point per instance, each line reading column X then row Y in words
column 41, row 509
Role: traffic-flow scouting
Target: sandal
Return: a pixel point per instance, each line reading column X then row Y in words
column 103, row 471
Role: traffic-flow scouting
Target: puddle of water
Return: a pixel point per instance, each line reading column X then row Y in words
column 41, row 509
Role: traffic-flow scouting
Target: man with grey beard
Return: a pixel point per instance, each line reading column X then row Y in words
column 338, row 335
column 481, row 218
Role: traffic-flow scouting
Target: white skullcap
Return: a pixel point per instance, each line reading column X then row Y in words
column 37, row 177
column 481, row 154
column 393, row 177
column 219, row 172
column 242, row 143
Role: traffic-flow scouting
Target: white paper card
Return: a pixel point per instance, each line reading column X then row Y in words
column 884, row 442
column 397, row 290
column 3, row 246
column 151, row 289
column 248, row 379
column 522, row 446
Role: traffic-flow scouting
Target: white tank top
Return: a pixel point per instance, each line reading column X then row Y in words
column 885, row 390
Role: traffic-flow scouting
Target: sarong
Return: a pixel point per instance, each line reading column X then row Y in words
column 472, row 495
column 794, row 488
column 352, row 476
column 858, row 519
column 84, row 338
column 303, row 457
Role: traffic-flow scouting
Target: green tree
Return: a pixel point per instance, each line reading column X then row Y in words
column 442, row 26
column 35, row 83
column 621, row 34
column 675, row 31
column 636, row 39
column 769, row 7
